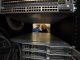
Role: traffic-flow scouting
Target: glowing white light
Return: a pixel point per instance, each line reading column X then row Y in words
column 48, row 58
column 67, row 5
column 75, row 8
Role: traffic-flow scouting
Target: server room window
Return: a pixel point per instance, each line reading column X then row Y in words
column 41, row 28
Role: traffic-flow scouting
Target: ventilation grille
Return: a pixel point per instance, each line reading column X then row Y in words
column 30, row 9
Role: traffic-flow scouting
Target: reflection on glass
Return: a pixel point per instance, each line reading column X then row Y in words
column 40, row 38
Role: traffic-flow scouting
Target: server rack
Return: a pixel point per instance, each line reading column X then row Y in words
column 32, row 51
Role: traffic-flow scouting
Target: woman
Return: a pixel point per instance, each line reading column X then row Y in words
column 44, row 28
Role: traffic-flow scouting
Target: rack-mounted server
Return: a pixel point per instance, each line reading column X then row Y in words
column 41, row 49
column 47, row 53
column 37, row 6
column 59, row 1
